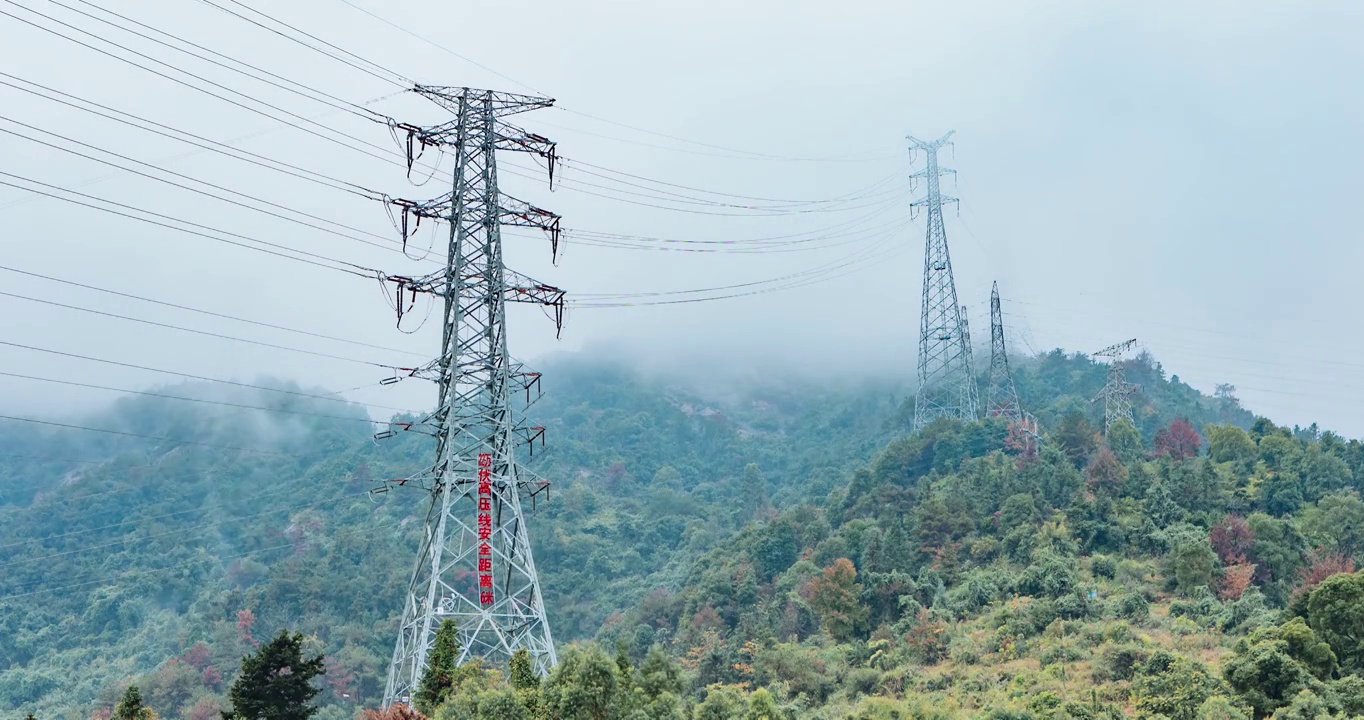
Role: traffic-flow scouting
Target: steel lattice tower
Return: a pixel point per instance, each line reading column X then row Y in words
column 475, row 563
column 1002, row 397
column 947, row 383
column 1116, row 391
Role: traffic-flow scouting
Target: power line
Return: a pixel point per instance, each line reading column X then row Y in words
column 390, row 242
column 191, row 85
column 409, row 81
column 220, row 403
column 817, row 270
column 203, row 312
column 328, row 99
column 295, row 115
column 144, row 437
column 438, row 46
column 195, row 331
column 340, row 265
column 223, row 148
column 202, row 378
column 798, row 280
column 725, row 194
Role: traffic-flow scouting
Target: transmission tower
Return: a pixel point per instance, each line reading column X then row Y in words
column 947, row 383
column 1116, row 391
column 475, row 563
column 1002, row 397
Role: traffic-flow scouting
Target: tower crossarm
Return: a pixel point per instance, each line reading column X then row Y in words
column 497, row 103
column 511, row 211
column 1115, row 350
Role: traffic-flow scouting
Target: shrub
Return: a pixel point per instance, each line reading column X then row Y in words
column 1132, row 607
column 1119, row 633
column 861, row 681
column 1103, row 566
column 964, row 650
column 1119, row 662
column 1058, row 654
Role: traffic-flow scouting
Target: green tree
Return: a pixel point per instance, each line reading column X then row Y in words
column 658, row 674
column 131, row 707
column 761, row 706
column 522, row 671
column 1173, row 686
column 1190, row 560
column 755, row 492
column 1275, row 664
column 722, row 702
column 585, row 684
column 1124, row 440
column 1219, row 707
column 1077, row 438
column 442, row 664
column 1231, row 444
column 1335, row 610
column 1306, row 705
column 276, row 682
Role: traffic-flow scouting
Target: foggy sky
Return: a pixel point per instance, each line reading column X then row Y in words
column 1180, row 173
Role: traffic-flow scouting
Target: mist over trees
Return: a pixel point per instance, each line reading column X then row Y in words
column 785, row 550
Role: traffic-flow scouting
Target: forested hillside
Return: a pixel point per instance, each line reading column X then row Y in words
column 784, row 550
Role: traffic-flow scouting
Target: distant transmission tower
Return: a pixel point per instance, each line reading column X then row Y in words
column 1116, row 391
column 1002, row 397
column 947, row 382
column 475, row 563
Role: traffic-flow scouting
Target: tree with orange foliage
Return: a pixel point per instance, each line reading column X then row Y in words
column 1235, row 580
column 1322, row 564
column 834, row 596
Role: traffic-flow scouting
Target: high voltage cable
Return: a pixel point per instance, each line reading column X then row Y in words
column 192, row 86
column 221, row 403
column 223, row 148
column 754, row 155
column 392, row 244
column 777, row 208
column 697, row 152
column 1177, row 350
column 731, row 246
column 202, row 378
column 801, row 279
column 885, row 253
column 339, row 266
column 326, row 181
column 69, row 426
column 810, row 271
column 398, row 75
column 717, row 192
column 206, row 333
column 393, row 160
column 203, row 312
column 332, row 100
column 351, row 105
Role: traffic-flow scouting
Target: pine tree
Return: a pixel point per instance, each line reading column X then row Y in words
column 439, row 677
column 522, row 673
column 276, row 682
column 131, row 707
